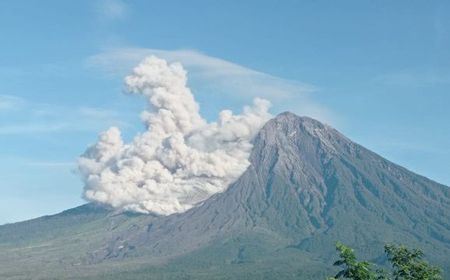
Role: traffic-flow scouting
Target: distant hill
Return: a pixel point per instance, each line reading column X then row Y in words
column 307, row 187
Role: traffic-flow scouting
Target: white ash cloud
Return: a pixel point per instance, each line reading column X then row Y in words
column 181, row 159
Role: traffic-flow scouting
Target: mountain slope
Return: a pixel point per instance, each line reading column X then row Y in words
column 307, row 187
column 59, row 245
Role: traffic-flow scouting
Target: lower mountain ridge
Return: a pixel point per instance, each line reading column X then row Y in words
column 307, row 187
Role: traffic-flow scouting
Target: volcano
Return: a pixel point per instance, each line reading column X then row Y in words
column 307, row 187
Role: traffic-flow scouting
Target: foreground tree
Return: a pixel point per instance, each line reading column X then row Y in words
column 352, row 268
column 407, row 265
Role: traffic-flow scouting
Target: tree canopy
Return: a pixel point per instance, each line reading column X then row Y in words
column 407, row 264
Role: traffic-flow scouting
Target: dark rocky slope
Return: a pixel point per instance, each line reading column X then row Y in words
column 307, row 187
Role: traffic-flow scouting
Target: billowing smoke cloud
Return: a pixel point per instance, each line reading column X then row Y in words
column 181, row 159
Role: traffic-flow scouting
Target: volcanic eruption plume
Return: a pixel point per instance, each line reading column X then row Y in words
column 180, row 159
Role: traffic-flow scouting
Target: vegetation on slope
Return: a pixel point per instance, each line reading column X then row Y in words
column 406, row 264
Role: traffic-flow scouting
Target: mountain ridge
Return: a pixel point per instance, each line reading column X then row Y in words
column 307, row 187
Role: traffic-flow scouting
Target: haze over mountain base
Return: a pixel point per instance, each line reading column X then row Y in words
column 307, row 187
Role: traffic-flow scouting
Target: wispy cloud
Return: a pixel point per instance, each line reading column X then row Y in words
column 52, row 164
column 26, row 117
column 243, row 80
column 39, row 163
column 110, row 10
column 31, row 128
column 219, row 78
column 10, row 102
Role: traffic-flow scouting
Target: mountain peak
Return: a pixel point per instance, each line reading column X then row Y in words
column 288, row 128
column 294, row 121
column 289, row 117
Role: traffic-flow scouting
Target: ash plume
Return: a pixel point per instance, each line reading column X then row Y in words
column 180, row 159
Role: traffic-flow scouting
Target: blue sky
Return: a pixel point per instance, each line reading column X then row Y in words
column 379, row 71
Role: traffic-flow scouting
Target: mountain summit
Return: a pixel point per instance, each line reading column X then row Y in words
column 307, row 187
